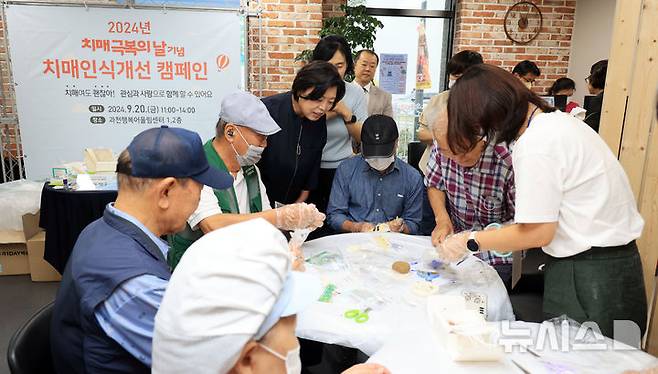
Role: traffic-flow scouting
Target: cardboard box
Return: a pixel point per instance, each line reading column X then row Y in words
column 13, row 247
column 24, row 255
column 13, row 259
column 40, row 269
column 100, row 160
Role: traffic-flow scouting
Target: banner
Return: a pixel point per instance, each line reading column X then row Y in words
column 393, row 73
column 423, row 79
column 95, row 77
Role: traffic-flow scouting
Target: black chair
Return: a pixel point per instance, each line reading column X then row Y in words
column 415, row 151
column 29, row 348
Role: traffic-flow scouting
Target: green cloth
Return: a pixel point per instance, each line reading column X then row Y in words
column 600, row 285
column 227, row 200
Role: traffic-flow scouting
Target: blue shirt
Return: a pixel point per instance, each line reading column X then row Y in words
column 128, row 314
column 362, row 194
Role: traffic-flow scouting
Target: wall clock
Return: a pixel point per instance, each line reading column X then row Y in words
column 523, row 22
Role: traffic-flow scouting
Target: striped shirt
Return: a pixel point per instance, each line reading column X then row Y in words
column 476, row 196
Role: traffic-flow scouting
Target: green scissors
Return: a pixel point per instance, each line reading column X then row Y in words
column 359, row 316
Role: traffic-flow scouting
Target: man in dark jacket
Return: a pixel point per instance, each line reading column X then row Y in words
column 117, row 273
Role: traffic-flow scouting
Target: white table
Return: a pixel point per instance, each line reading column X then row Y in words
column 420, row 352
column 364, row 278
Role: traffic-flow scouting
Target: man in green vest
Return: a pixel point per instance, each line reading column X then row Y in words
column 241, row 136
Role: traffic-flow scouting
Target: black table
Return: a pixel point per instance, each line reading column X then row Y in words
column 64, row 214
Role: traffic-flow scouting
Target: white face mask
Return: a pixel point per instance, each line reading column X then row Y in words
column 451, row 83
column 380, row 164
column 292, row 359
column 253, row 153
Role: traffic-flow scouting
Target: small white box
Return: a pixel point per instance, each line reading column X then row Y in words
column 100, row 160
column 463, row 332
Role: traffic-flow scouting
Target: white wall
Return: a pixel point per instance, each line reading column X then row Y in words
column 590, row 41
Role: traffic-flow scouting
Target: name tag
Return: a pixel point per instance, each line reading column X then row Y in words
column 400, row 196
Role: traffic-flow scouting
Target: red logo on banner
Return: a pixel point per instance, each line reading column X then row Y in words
column 222, row 62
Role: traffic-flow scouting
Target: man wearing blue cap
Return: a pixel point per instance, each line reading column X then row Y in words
column 241, row 137
column 117, row 273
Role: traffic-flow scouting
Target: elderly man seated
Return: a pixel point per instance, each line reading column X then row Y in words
column 234, row 311
column 117, row 274
column 376, row 190
column 241, row 137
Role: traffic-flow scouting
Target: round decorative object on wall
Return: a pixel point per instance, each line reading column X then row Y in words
column 523, row 22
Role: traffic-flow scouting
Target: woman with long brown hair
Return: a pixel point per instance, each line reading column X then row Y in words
column 573, row 199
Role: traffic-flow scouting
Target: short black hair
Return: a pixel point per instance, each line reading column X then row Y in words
column 560, row 84
column 327, row 47
column 462, row 61
column 319, row 75
column 526, row 67
column 358, row 54
column 597, row 74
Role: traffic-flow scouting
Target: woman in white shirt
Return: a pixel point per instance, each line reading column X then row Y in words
column 573, row 199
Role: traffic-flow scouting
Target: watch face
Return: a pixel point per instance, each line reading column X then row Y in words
column 353, row 119
column 472, row 245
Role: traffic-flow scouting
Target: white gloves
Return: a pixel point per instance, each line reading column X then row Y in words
column 298, row 216
column 453, row 248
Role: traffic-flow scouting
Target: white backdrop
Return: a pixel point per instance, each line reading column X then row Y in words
column 96, row 77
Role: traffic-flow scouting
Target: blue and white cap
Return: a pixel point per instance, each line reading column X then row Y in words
column 232, row 286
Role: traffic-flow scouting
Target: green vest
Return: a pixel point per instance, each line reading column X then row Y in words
column 228, row 202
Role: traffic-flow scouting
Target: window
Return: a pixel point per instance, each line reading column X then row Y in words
column 403, row 22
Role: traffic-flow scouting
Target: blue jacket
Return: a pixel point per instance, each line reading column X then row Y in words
column 108, row 252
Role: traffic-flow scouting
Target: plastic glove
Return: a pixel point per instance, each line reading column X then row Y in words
column 396, row 225
column 367, row 369
column 363, row 227
column 297, row 256
column 453, row 247
column 441, row 232
column 298, row 216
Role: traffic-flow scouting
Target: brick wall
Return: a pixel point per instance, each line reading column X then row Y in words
column 331, row 8
column 479, row 26
column 288, row 28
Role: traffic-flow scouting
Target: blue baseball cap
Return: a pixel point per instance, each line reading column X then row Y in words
column 165, row 151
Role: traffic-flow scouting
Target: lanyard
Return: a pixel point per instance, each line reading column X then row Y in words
column 532, row 115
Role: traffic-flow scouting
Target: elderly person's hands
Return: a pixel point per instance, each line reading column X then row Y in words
column 453, row 248
column 441, row 231
column 396, row 225
column 363, row 227
column 298, row 216
column 297, row 255
column 367, row 369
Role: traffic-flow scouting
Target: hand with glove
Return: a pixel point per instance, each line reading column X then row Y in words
column 297, row 256
column 453, row 248
column 298, row 216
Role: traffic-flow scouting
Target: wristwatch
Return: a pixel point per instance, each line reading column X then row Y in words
column 472, row 244
column 352, row 120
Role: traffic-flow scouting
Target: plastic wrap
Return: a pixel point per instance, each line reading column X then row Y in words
column 16, row 199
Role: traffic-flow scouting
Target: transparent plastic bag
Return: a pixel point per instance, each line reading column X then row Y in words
column 16, row 199
column 328, row 260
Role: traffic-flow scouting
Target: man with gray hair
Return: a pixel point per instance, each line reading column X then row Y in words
column 469, row 191
column 241, row 138
column 116, row 276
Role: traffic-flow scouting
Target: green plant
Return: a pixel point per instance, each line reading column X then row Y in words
column 356, row 26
